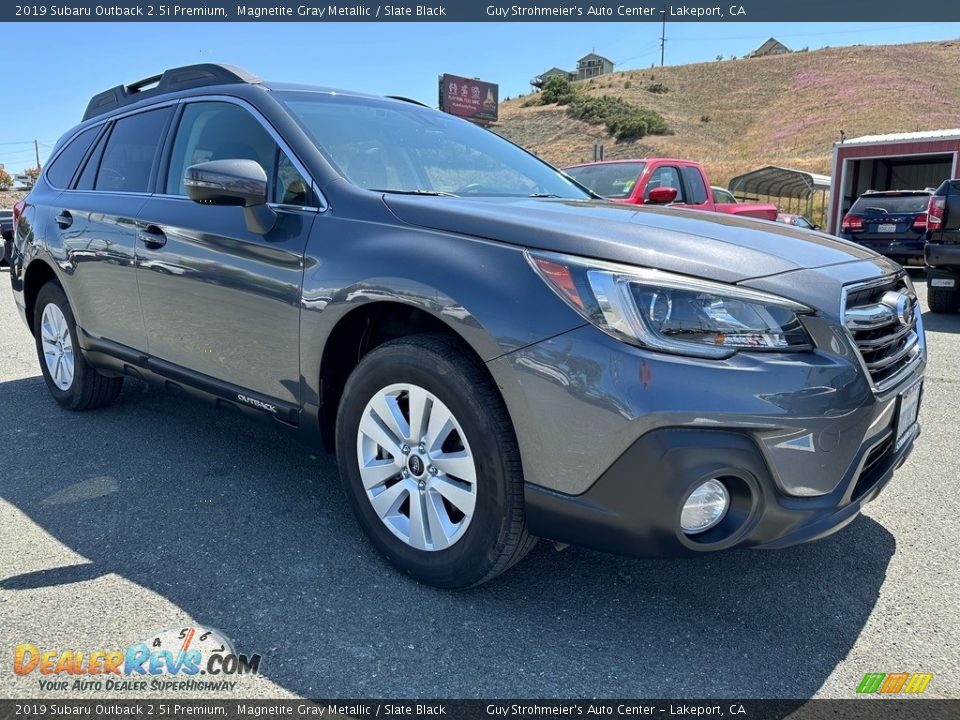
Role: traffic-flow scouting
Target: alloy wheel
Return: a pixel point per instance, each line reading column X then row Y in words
column 416, row 467
column 57, row 346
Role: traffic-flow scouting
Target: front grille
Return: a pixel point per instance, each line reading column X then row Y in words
column 882, row 321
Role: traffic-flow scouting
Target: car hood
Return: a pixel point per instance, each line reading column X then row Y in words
column 708, row 245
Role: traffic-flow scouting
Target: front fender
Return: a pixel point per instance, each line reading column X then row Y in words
column 484, row 291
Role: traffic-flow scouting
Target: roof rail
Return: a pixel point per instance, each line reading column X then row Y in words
column 181, row 78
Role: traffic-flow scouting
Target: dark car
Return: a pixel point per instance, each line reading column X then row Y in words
column 494, row 353
column 892, row 223
column 942, row 253
column 6, row 232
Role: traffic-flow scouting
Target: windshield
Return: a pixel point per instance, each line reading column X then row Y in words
column 890, row 204
column 613, row 180
column 404, row 148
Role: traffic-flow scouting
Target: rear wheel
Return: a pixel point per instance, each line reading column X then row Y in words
column 430, row 463
column 943, row 300
column 72, row 381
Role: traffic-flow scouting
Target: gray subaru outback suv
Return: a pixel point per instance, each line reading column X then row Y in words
column 494, row 354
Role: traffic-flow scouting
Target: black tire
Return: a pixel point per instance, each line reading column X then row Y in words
column 497, row 536
column 943, row 300
column 90, row 389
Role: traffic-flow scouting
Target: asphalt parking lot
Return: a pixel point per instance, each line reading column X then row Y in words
column 160, row 513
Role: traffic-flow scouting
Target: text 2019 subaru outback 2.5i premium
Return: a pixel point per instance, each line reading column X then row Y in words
column 494, row 353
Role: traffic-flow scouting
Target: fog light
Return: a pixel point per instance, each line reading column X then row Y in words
column 705, row 507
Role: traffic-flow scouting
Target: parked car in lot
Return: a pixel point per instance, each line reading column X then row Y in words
column 494, row 353
column 661, row 181
column 892, row 223
column 6, row 233
column 797, row 221
column 722, row 195
column 942, row 251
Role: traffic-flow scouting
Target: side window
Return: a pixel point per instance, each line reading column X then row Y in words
column 61, row 171
column 219, row 131
column 290, row 188
column 665, row 176
column 131, row 151
column 89, row 174
column 693, row 182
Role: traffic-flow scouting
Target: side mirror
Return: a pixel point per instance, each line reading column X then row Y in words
column 237, row 182
column 817, row 227
column 662, row 196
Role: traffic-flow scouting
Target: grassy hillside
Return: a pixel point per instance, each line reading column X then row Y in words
column 737, row 115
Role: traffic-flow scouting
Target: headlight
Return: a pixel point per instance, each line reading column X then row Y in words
column 673, row 313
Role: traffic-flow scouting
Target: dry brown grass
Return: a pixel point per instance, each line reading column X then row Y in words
column 786, row 110
column 8, row 198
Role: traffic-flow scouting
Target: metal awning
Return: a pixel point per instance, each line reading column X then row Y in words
column 773, row 181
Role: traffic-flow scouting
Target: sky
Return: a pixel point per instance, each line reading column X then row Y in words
column 52, row 69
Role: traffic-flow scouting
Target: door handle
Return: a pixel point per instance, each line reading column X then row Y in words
column 153, row 237
column 64, row 219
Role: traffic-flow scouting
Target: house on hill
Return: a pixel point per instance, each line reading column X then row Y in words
column 771, row 47
column 589, row 66
column 542, row 78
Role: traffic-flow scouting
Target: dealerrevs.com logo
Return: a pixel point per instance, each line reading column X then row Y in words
column 894, row 683
column 190, row 659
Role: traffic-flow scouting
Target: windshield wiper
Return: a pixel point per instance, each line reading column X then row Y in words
column 432, row 193
column 543, row 195
column 878, row 209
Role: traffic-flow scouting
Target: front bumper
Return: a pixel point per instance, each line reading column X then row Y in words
column 625, row 514
column 614, row 438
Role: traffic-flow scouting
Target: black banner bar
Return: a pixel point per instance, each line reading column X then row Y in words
column 859, row 709
column 483, row 11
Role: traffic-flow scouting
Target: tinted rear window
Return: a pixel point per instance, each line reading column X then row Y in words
column 696, row 190
column 89, row 172
column 615, row 180
column 61, row 170
column 891, row 204
column 131, row 150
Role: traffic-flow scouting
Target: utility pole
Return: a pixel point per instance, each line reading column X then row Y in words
column 663, row 37
column 36, row 151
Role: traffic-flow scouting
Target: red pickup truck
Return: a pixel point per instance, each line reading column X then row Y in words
column 661, row 181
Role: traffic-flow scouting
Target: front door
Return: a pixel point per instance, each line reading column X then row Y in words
column 219, row 300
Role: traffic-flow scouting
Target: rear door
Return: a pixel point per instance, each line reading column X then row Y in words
column 694, row 188
column 220, row 302
column 95, row 219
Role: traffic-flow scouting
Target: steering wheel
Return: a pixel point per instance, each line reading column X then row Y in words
column 472, row 188
column 113, row 178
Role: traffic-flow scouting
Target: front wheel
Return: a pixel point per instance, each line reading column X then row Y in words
column 430, row 463
column 72, row 381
